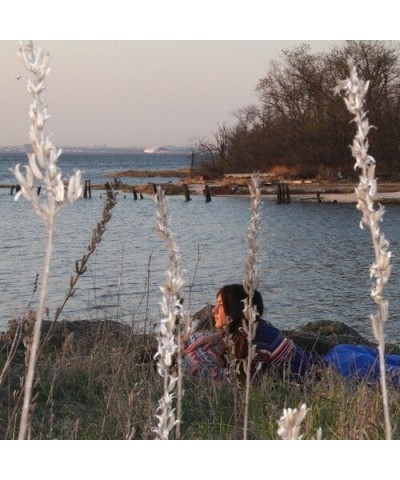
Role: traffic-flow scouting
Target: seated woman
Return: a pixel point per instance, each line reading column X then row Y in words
column 204, row 352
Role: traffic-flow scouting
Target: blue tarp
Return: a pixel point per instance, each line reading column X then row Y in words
column 362, row 362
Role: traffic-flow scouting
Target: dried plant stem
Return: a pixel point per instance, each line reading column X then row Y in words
column 233, row 373
column 250, row 284
column 42, row 166
column 192, row 282
column 12, row 352
column 36, row 336
column 355, row 91
column 175, row 326
column 81, row 265
column 146, row 312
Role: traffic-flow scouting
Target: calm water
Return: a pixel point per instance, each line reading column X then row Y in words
column 97, row 167
column 314, row 259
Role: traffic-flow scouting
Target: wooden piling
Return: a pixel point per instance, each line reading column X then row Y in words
column 279, row 193
column 187, row 194
column 87, row 191
column 207, row 193
column 283, row 193
column 287, row 193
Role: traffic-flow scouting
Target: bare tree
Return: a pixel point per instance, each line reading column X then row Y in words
column 214, row 154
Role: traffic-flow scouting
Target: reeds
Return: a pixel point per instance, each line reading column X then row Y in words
column 355, row 90
column 174, row 328
column 250, row 284
column 42, row 167
column 81, row 265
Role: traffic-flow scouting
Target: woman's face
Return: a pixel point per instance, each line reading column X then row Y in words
column 220, row 317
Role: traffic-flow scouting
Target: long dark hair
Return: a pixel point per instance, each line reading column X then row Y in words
column 232, row 297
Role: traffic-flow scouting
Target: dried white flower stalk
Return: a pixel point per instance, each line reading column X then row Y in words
column 289, row 423
column 42, row 167
column 175, row 327
column 250, row 284
column 251, row 277
column 355, row 90
column 42, row 161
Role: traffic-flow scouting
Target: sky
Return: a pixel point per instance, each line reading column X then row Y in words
column 146, row 93
column 157, row 73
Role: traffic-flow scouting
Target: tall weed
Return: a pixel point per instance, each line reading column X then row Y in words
column 42, row 167
column 355, row 91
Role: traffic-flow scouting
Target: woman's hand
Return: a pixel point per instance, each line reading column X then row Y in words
column 206, row 341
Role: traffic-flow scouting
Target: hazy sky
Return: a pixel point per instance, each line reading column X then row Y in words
column 144, row 93
column 159, row 72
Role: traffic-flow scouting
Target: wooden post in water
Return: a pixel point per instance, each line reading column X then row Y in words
column 87, row 191
column 207, row 193
column 279, row 193
column 283, row 194
column 287, row 193
column 187, row 194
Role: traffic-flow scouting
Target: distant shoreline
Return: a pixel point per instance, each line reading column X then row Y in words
column 237, row 184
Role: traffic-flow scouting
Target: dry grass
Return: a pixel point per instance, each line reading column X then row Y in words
column 104, row 385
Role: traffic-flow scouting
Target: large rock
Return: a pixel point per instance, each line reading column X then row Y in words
column 327, row 333
column 322, row 335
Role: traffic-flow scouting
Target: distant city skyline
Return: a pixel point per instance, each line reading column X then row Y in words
column 137, row 92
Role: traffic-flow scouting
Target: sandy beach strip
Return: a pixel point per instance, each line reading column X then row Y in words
column 387, row 197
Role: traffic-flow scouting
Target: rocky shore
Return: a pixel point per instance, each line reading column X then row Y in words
column 82, row 335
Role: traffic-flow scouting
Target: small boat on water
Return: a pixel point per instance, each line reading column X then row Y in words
column 160, row 150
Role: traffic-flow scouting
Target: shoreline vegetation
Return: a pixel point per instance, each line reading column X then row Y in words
column 98, row 380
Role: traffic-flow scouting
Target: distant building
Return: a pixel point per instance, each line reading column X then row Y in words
column 156, row 150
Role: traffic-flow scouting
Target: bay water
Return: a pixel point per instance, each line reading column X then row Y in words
column 314, row 259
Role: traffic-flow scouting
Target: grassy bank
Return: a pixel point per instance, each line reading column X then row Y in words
column 104, row 385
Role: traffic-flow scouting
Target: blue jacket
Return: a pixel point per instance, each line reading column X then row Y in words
column 274, row 349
